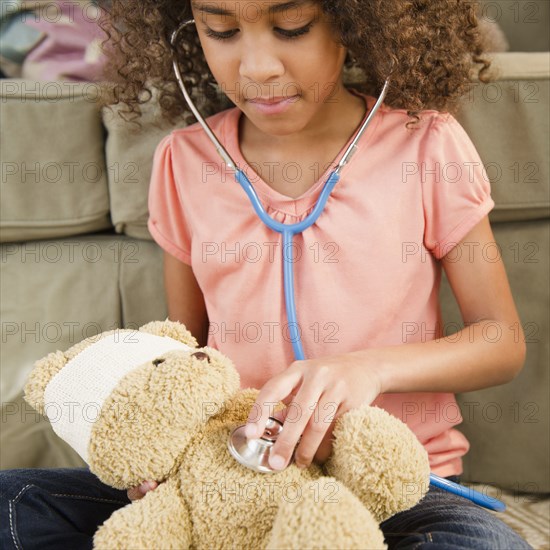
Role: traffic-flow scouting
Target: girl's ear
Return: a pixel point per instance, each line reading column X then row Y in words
column 172, row 329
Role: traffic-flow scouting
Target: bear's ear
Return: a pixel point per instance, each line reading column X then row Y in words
column 43, row 371
column 172, row 329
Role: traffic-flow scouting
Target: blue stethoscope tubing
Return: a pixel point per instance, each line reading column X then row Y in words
column 289, row 230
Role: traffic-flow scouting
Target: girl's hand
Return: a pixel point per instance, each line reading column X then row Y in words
column 135, row 493
column 316, row 392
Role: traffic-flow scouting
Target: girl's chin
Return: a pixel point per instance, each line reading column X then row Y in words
column 279, row 125
column 276, row 128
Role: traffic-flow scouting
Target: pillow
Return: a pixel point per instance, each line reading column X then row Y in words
column 129, row 154
column 54, row 178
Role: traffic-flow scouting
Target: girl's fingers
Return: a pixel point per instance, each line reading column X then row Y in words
column 298, row 415
column 288, row 399
column 275, row 390
column 316, row 439
column 279, row 415
column 136, row 493
column 325, row 449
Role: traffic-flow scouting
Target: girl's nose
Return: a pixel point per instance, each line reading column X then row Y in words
column 260, row 63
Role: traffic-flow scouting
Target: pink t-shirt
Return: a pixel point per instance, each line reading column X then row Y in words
column 366, row 273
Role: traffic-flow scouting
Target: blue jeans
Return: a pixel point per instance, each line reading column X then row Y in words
column 53, row 509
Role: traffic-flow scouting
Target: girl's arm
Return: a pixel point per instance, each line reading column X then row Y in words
column 184, row 298
column 490, row 350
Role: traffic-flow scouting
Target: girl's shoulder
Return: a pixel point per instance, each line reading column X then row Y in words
column 193, row 144
column 436, row 133
column 395, row 117
column 426, row 116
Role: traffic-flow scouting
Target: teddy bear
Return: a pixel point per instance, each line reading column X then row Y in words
column 149, row 404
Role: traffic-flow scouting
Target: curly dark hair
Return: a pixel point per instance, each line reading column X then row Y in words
column 433, row 47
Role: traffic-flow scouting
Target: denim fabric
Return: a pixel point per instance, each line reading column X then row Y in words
column 449, row 522
column 53, row 509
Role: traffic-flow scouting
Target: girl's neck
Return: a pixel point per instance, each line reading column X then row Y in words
column 313, row 147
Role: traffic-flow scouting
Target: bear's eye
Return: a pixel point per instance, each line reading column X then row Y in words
column 157, row 362
column 200, row 355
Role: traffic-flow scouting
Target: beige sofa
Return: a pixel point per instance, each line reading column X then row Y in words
column 77, row 259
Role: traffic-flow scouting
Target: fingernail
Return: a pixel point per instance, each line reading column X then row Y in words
column 152, row 485
column 277, row 462
column 250, row 431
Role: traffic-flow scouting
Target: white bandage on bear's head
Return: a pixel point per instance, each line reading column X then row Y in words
column 75, row 395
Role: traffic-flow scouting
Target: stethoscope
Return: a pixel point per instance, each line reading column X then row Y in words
column 254, row 453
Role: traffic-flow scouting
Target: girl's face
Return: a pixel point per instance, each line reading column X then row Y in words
column 278, row 61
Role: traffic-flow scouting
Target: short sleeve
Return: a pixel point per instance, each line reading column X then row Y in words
column 456, row 191
column 167, row 222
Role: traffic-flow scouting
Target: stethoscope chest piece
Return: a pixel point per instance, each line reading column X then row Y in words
column 254, row 453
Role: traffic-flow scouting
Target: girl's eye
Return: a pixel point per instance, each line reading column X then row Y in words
column 220, row 35
column 226, row 35
column 294, row 33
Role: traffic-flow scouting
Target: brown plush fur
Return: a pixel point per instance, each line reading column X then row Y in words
column 312, row 521
column 170, row 420
column 383, row 439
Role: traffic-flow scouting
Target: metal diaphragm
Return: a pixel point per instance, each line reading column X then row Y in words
column 254, row 453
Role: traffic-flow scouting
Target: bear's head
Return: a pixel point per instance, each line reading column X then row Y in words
column 130, row 401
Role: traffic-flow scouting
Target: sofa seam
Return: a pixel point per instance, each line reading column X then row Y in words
column 81, row 219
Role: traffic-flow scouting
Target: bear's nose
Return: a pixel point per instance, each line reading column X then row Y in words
column 200, row 355
column 157, row 362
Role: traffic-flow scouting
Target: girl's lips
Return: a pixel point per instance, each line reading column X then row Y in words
column 273, row 106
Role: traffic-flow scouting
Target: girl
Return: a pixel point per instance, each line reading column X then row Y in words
column 367, row 272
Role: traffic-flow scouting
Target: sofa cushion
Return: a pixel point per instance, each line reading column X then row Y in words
column 508, row 122
column 72, row 289
column 54, row 180
column 129, row 153
column 508, row 425
column 525, row 23
column 28, row 440
column 142, row 295
column 54, row 294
